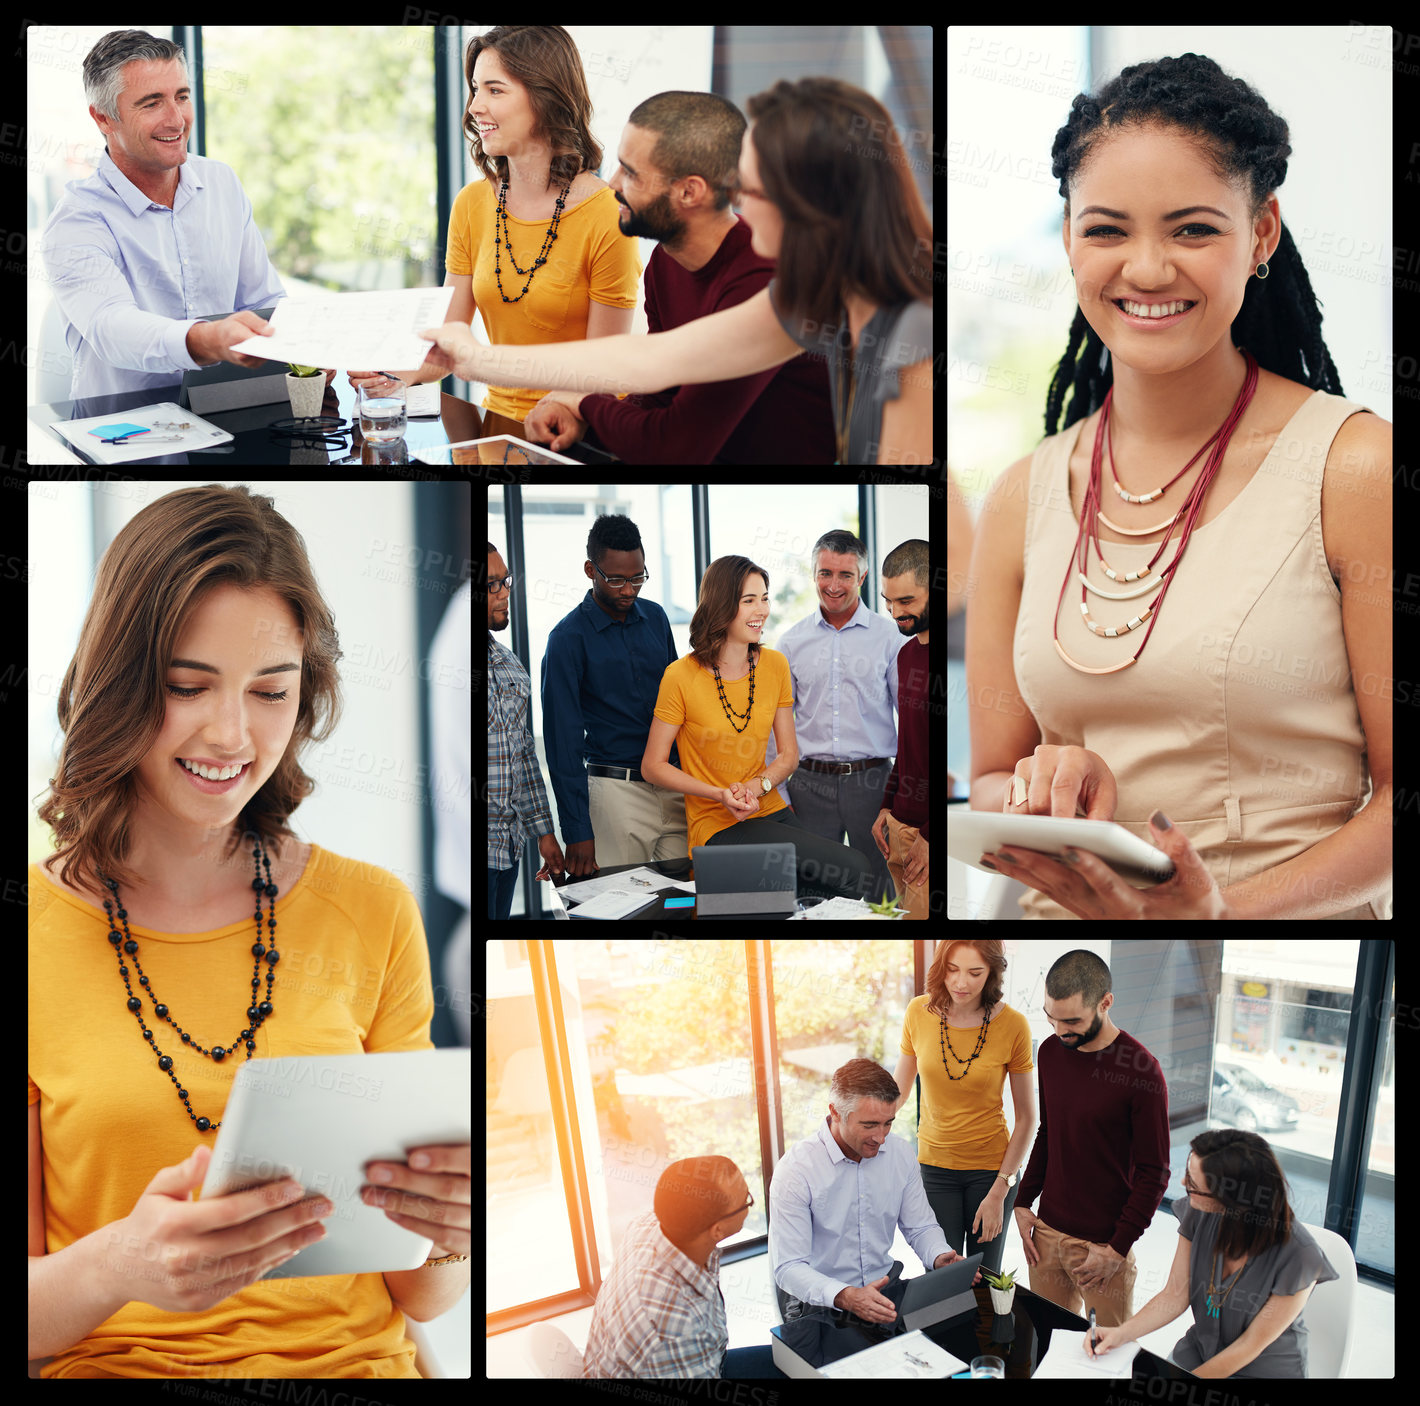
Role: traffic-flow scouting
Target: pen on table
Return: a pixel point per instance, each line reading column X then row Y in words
column 1092, row 1332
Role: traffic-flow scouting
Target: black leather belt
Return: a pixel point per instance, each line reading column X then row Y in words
column 839, row 768
column 617, row 773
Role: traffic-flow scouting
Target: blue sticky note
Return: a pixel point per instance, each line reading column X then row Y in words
column 113, row 431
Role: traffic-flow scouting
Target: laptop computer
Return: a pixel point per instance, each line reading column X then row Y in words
column 745, row 881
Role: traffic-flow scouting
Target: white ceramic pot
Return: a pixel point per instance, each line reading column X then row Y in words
column 306, row 394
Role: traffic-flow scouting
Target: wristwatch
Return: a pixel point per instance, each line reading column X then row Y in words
column 764, row 781
column 1009, row 1180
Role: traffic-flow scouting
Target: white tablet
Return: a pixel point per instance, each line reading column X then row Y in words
column 320, row 1119
column 972, row 833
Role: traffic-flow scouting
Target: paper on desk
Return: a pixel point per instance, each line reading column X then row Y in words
column 1067, row 1358
column 907, row 1355
column 653, row 882
column 353, row 331
column 614, row 903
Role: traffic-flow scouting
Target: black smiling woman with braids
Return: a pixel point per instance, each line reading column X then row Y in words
column 1174, row 621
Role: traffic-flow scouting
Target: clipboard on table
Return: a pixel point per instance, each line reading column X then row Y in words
column 320, row 1119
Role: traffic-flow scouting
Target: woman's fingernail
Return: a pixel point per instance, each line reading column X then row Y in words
column 1160, row 821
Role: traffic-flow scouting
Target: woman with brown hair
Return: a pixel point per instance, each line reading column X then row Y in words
column 536, row 243
column 206, row 664
column 964, row 1040
column 827, row 187
column 1244, row 1264
column 717, row 706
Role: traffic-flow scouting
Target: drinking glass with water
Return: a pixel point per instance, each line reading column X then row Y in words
column 383, row 410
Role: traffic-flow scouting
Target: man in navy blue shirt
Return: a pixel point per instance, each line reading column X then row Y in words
column 600, row 679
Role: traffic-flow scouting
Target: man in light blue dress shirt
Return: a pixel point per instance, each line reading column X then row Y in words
column 838, row 1197
column 843, row 662
column 156, row 238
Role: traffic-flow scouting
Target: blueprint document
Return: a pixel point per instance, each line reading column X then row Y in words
column 353, row 331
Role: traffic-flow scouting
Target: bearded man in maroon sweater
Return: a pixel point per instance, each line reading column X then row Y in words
column 1100, row 1164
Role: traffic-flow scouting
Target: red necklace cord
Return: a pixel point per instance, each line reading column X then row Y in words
column 1188, row 513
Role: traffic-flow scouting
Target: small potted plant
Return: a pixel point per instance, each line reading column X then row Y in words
column 887, row 908
column 305, row 385
column 1003, row 1289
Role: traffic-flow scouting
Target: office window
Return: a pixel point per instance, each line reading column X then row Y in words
column 1375, row 1234
column 1283, row 1024
column 331, row 133
column 835, row 1001
column 775, row 526
column 525, row 1195
column 658, row 1036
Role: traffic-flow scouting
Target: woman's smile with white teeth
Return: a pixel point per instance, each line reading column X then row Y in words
column 1153, row 309
column 213, row 773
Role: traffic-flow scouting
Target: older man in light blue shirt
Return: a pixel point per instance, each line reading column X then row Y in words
column 843, row 662
column 838, row 1197
column 156, row 238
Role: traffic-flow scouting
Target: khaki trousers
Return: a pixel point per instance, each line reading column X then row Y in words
column 913, row 897
column 634, row 822
column 1061, row 1258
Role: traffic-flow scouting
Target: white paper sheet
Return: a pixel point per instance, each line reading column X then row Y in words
column 353, row 331
column 1067, row 1358
column 907, row 1355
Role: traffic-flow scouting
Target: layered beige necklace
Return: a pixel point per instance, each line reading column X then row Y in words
column 1146, row 579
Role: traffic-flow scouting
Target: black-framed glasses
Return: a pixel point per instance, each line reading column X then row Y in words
column 747, row 1205
column 620, row 581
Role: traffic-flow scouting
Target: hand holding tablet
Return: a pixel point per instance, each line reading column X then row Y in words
column 430, row 1193
column 329, row 1122
column 1078, row 874
column 974, row 833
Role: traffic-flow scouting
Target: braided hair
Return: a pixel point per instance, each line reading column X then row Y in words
column 1279, row 321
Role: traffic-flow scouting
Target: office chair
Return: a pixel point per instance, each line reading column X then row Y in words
column 1331, row 1310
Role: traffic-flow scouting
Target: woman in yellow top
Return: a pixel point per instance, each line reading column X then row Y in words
column 717, row 707
column 536, row 245
column 964, row 1040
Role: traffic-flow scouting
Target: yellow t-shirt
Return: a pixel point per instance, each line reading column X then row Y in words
column 963, row 1125
column 710, row 749
column 353, row 976
column 591, row 261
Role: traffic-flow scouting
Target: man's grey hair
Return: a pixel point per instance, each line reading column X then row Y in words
column 839, row 541
column 103, row 64
column 860, row 1079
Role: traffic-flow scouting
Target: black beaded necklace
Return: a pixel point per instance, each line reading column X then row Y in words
column 500, row 232
column 256, row 1013
column 725, row 702
column 944, row 1036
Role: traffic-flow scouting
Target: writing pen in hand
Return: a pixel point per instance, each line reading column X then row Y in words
column 1092, row 1332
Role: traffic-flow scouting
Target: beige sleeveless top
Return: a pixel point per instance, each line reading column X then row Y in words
column 1239, row 721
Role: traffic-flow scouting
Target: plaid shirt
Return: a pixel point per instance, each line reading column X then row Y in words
column 517, row 801
column 658, row 1313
